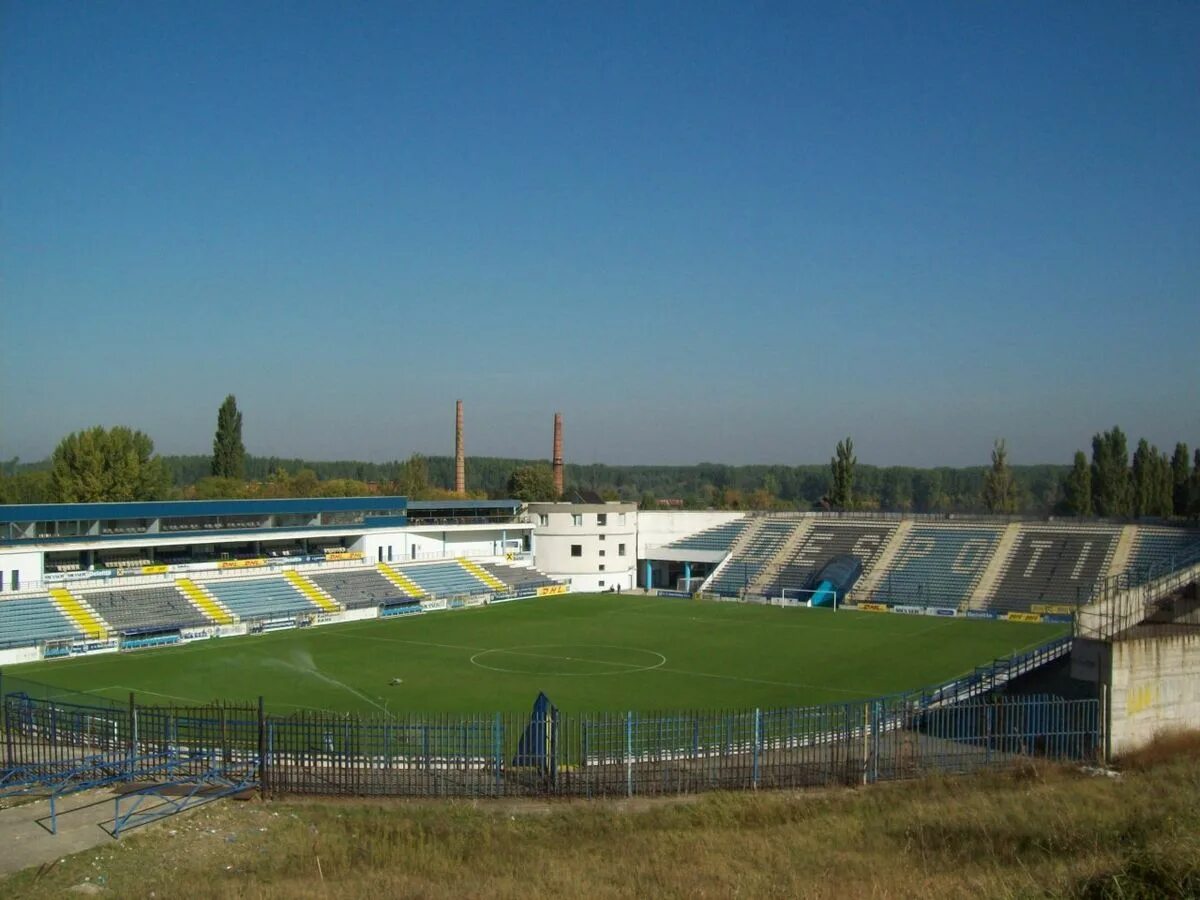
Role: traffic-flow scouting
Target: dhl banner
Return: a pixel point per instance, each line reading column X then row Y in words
column 344, row 554
column 549, row 589
column 1051, row 608
column 155, row 570
column 241, row 563
column 1023, row 617
column 873, row 607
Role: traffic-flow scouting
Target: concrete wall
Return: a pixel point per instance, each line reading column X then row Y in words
column 607, row 554
column 1155, row 686
column 27, row 566
column 659, row 527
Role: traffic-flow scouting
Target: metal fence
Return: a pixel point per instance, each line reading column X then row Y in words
column 54, row 742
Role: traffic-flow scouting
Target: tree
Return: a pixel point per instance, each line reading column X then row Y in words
column 1194, row 505
column 999, row 491
column 1180, row 487
column 842, row 467
column 414, row 477
column 1112, row 493
column 1143, row 476
column 532, row 483
column 229, row 453
column 1079, row 487
column 107, row 465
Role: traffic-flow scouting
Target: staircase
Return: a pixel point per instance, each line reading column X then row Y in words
column 755, row 526
column 212, row 608
column 995, row 567
column 318, row 596
column 400, row 580
column 883, row 562
column 782, row 555
column 484, row 575
column 1120, row 557
column 78, row 611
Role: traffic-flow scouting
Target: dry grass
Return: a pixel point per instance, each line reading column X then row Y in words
column 1040, row 831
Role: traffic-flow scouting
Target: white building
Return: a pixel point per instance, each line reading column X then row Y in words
column 593, row 546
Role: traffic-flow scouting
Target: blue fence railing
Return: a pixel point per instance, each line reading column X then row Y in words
column 56, row 744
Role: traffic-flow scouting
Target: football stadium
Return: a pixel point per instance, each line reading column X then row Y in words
column 382, row 646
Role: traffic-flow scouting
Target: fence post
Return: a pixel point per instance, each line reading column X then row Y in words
column 498, row 749
column 132, row 733
column 629, row 754
column 262, row 748
column 757, row 741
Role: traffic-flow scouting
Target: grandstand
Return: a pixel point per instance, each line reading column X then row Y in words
column 824, row 541
column 756, row 546
column 719, row 537
column 1054, row 566
column 938, row 565
column 1156, row 549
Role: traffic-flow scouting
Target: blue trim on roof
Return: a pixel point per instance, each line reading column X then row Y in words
column 155, row 509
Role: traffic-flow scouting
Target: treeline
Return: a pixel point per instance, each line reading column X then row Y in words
column 119, row 465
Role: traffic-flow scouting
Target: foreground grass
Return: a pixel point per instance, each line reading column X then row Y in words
column 1035, row 832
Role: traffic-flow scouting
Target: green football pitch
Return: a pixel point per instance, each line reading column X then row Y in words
column 601, row 652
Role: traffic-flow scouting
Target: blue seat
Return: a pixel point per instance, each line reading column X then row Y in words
column 260, row 597
column 939, row 565
column 28, row 621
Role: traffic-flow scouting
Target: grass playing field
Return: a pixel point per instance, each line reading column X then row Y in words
column 587, row 652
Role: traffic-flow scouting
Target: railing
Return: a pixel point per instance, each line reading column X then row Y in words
column 1121, row 601
column 51, row 741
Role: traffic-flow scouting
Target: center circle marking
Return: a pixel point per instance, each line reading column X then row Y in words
column 545, row 652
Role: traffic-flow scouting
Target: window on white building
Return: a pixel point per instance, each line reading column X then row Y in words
column 601, row 552
column 601, row 518
column 620, row 549
column 543, row 519
column 576, row 519
column 577, row 549
column 621, row 518
column 601, row 567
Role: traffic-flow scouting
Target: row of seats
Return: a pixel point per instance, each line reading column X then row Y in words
column 1158, row 550
column 942, row 565
column 939, row 565
column 826, row 540
column 156, row 607
column 750, row 559
column 31, row 620
column 719, row 537
column 356, row 588
column 258, row 598
column 1053, row 566
column 445, row 579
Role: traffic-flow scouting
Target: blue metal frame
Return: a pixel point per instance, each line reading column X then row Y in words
column 223, row 780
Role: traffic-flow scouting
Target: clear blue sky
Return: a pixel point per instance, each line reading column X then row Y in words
column 728, row 232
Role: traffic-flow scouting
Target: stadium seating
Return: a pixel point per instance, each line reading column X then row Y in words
column 719, row 537
column 1053, row 565
column 445, row 579
column 938, row 565
column 519, row 578
column 357, row 588
column 824, row 541
column 260, row 597
column 746, row 564
column 30, row 620
column 1155, row 549
column 159, row 607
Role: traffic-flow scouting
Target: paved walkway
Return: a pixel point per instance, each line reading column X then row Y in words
column 25, row 839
